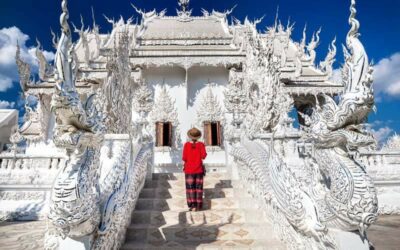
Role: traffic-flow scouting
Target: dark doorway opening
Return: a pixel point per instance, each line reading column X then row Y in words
column 212, row 133
column 163, row 134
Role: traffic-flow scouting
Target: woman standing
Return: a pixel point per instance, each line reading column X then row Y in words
column 194, row 153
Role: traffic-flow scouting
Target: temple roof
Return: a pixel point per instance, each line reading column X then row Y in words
column 195, row 27
column 8, row 119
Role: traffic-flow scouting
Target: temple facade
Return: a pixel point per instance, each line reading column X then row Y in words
column 121, row 104
column 187, row 65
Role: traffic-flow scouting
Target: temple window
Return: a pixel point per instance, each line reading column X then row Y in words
column 163, row 134
column 212, row 133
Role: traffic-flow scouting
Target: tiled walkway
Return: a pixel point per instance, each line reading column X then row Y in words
column 21, row 235
column 385, row 234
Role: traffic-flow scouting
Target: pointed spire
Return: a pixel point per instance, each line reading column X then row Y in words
column 355, row 24
column 64, row 19
column 327, row 64
column 184, row 4
column 94, row 20
column 64, row 59
column 38, row 44
column 44, row 67
column 24, row 69
column 276, row 18
column 303, row 40
column 54, row 38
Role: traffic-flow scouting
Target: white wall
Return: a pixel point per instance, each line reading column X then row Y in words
column 187, row 100
column 198, row 79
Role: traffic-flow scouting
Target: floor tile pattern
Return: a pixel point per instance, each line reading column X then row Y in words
column 229, row 219
column 163, row 222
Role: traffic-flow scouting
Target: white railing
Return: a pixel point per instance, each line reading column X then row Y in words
column 382, row 165
column 25, row 184
column 21, row 169
column 252, row 159
column 118, row 203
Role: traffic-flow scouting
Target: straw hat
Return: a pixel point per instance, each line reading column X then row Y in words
column 194, row 133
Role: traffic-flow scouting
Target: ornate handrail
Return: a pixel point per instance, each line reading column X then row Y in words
column 119, row 202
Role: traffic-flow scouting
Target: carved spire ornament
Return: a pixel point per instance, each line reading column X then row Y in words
column 45, row 69
column 65, row 73
column 327, row 64
column 83, row 41
column 210, row 109
column 314, row 43
column 184, row 14
column 118, row 89
column 236, row 98
column 143, row 101
column 184, row 4
column 164, row 110
column 24, row 70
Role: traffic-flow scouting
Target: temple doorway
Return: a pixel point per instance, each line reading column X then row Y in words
column 212, row 133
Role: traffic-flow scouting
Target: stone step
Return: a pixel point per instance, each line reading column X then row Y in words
column 204, row 217
column 179, row 204
column 244, row 244
column 181, row 176
column 236, row 231
column 208, row 183
column 181, row 193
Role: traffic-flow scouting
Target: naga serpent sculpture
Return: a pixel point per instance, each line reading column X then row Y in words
column 92, row 196
column 74, row 207
column 339, row 193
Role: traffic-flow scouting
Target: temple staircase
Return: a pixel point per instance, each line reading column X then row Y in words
column 229, row 220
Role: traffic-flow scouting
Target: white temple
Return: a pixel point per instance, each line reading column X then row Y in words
column 113, row 111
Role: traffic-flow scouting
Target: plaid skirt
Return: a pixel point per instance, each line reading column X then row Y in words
column 194, row 190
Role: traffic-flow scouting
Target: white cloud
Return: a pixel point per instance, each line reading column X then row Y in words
column 337, row 76
column 9, row 38
column 387, row 75
column 6, row 105
column 5, row 83
column 382, row 134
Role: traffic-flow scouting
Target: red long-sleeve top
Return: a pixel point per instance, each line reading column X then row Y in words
column 193, row 156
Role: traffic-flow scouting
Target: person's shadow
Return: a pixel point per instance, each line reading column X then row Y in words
column 193, row 229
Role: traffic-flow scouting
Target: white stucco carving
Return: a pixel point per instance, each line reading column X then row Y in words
column 164, row 110
column 98, row 106
column 298, row 190
column 210, row 109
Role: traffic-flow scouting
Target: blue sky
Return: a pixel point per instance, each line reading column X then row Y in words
column 27, row 20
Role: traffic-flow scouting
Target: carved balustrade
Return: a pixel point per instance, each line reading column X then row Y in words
column 382, row 165
column 21, row 169
column 25, row 184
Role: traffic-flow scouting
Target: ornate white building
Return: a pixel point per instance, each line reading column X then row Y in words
column 114, row 109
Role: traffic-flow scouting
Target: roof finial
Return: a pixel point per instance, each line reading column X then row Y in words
column 355, row 24
column 64, row 18
column 184, row 4
column 94, row 20
column 276, row 17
